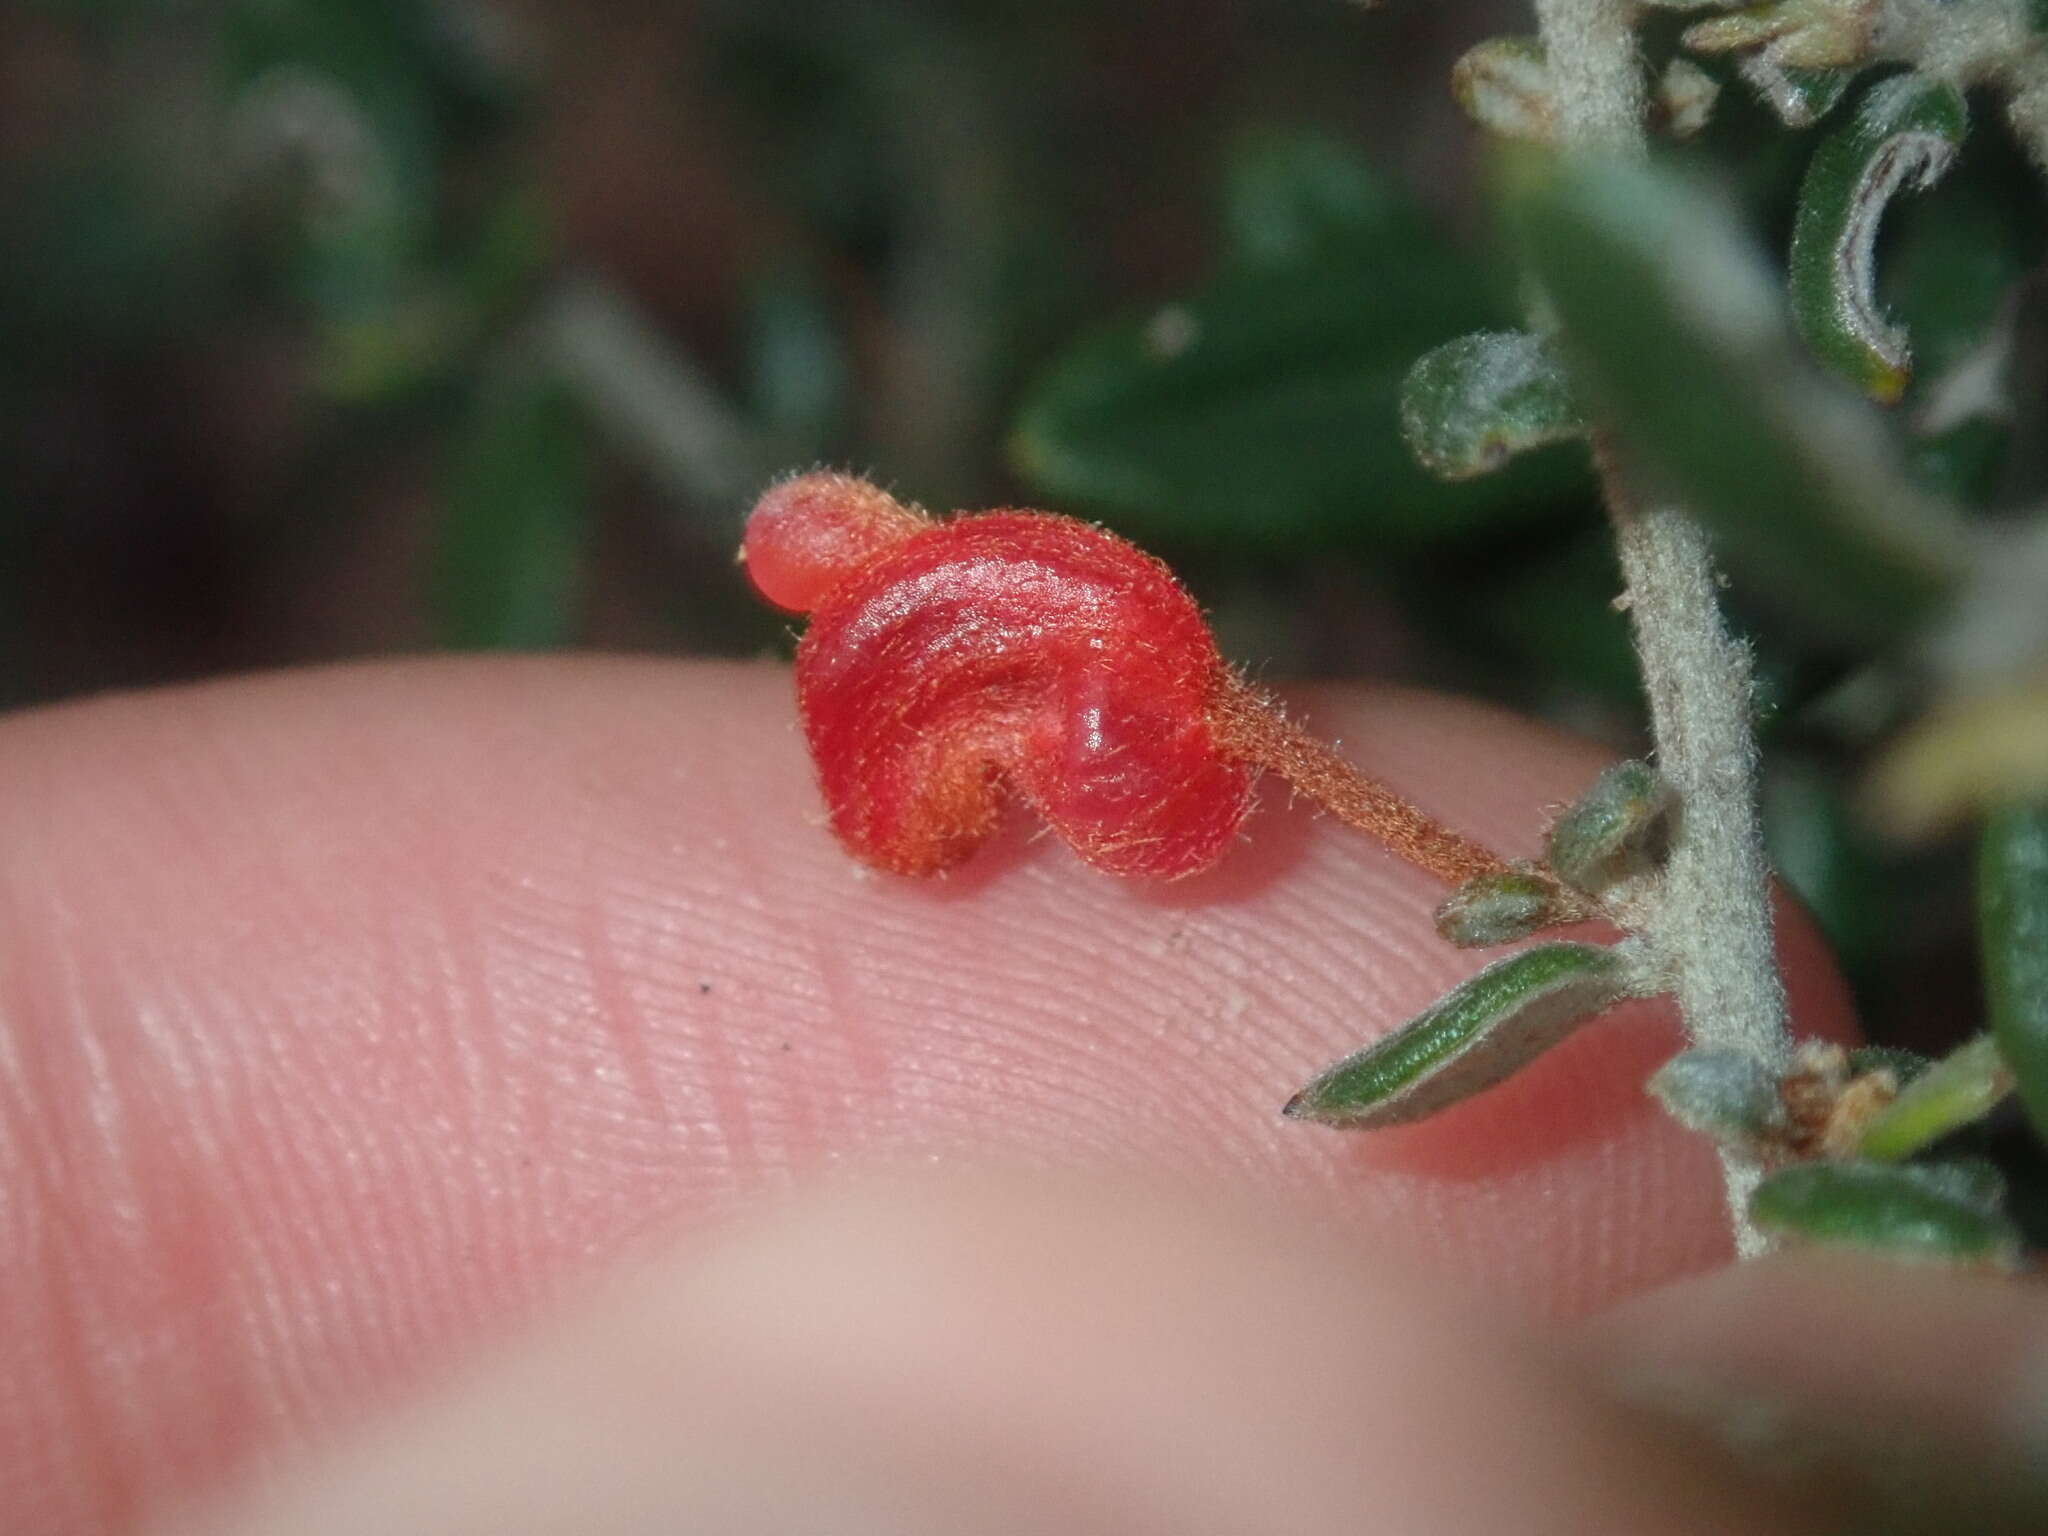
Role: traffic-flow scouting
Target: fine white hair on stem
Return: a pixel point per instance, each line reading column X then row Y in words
column 1712, row 922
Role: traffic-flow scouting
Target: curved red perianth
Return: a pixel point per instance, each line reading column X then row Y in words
column 810, row 532
column 1027, row 650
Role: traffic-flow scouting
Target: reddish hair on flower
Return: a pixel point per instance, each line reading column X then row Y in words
column 952, row 663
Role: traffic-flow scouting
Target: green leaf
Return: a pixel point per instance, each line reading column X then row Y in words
column 1473, row 403
column 1799, row 97
column 335, row 96
column 1903, row 1064
column 1479, row 1033
column 1724, row 1093
column 1903, row 1209
column 1791, row 34
column 515, row 519
column 1903, row 137
column 1962, row 1087
column 1262, row 410
column 1618, row 829
column 1292, row 196
column 1501, row 908
column 2012, row 918
column 1675, row 329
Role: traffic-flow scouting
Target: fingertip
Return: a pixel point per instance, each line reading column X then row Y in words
column 454, row 980
column 1017, row 1355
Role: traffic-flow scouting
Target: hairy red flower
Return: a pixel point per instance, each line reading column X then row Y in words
column 947, row 662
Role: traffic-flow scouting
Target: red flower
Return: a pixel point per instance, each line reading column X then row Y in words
column 948, row 662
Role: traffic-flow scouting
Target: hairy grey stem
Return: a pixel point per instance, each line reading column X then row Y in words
column 2026, row 108
column 1712, row 925
column 1595, row 71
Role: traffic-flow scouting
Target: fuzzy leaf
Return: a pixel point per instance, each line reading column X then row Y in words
column 1803, row 34
column 1685, row 97
column 1473, row 403
column 1723, row 1093
column 1799, row 97
column 1614, row 830
column 1962, row 1087
column 1477, row 1034
column 1908, row 1210
column 1499, row 909
column 2012, row 915
column 1903, row 137
column 1676, row 330
column 1504, row 86
column 1262, row 410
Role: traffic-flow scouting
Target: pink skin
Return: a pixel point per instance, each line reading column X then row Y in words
column 349, row 1018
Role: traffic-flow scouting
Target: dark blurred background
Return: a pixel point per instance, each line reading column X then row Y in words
column 333, row 328
column 307, row 305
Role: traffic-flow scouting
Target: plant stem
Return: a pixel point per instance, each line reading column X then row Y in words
column 1595, row 71
column 2026, row 106
column 1712, row 923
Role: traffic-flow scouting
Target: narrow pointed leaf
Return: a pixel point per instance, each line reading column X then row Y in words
column 1723, row 1093
column 1973, row 1180
column 1477, row 1034
column 1804, row 34
column 2012, row 915
column 1615, row 830
column 1906, row 1210
column 1962, row 1087
column 1799, row 97
column 512, row 542
column 1472, row 404
column 1903, row 137
column 1675, row 328
column 1501, row 908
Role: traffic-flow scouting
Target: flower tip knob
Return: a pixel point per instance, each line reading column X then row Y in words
column 808, row 533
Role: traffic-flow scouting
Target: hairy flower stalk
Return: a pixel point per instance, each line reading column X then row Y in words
column 1712, row 924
